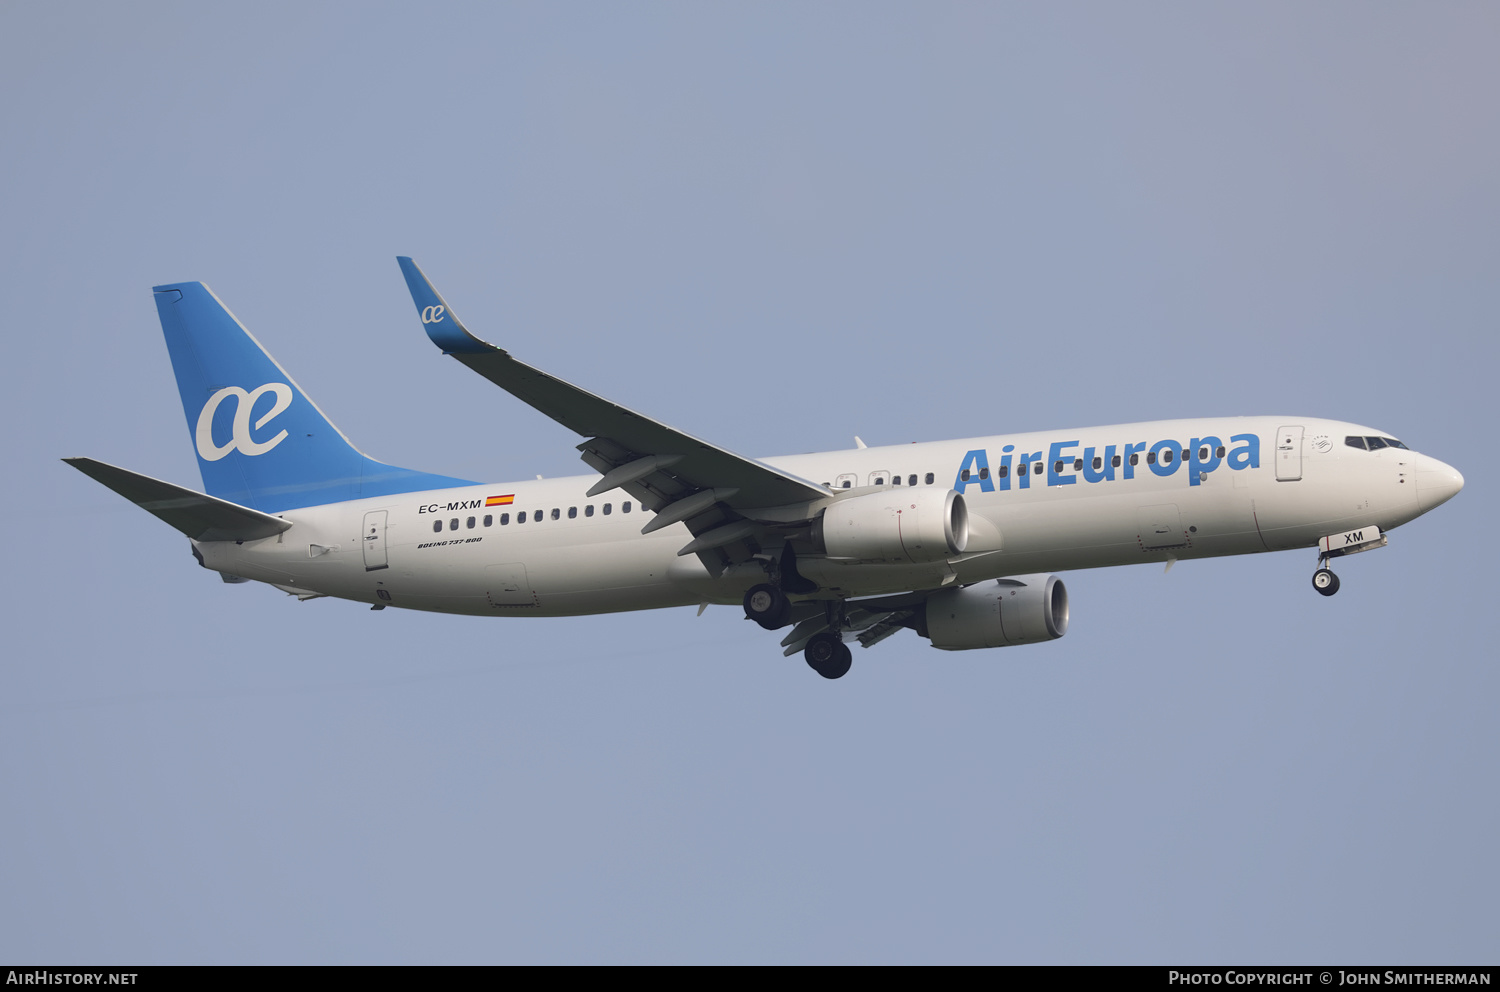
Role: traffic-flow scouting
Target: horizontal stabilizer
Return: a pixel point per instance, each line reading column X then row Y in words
column 200, row 517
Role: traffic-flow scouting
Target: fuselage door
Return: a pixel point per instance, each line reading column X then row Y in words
column 1161, row 527
column 373, row 540
column 507, row 586
column 1289, row 453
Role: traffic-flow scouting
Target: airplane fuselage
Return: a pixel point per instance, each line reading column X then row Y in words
column 1058, row 500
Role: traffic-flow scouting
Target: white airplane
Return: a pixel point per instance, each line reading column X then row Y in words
column 954, row 539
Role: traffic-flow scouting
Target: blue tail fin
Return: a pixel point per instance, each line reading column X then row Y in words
column 260, row 441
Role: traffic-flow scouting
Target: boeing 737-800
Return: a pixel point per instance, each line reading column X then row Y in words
column 953, row 539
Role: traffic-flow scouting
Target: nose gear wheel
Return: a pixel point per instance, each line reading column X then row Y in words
column 1325, row 581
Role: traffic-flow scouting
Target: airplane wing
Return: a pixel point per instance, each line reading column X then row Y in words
column 200, row 517
column 716, row 492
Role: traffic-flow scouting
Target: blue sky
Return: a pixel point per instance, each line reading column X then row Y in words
column 775, row 226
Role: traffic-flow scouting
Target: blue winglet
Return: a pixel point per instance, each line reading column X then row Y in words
column 438, row 319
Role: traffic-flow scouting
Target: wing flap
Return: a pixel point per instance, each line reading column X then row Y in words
column 200, row 517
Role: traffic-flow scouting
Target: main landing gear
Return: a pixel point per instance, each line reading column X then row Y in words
column 828, row 655
column 768, row 606
column 826, row 652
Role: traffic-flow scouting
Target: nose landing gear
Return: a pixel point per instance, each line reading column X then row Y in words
column 1324, row 580
column 1366, row 538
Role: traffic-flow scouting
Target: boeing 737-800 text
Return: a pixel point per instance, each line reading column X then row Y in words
column 954, row 539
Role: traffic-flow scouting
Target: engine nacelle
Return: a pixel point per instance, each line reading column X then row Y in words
column 1023, row 609
column 897, row 525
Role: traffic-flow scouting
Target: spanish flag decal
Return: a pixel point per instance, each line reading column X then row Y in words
column 500, row 500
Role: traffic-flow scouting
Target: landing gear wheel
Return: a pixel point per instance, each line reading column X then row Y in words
column 768, row 606
column 1325, row 582
column 828, row 655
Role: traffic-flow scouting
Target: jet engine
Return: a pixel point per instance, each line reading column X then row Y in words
column 1023, row 609
column 897, row 525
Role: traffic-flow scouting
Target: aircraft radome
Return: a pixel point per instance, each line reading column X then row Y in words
column 953, row 539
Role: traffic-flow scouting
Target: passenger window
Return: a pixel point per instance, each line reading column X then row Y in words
column 984, row 473
column 1078, row 464
column 488, row 519
column 1004, row 471
column 588, row 511
column 1375, row 443
column 1036, row 469
column 879, row 480
column 607, row 508
column 964, row 475
column 911, row 480
column 556, row 513
column 1098, row 463
column 469, row 523
column 1355, row 442
column 453, row 524
column 1115, row 461
column 572, row 513
column 1220, row 452
column 504, row 519
column 625, row 506
column 437, row 526
column 895, row 480
column 1150, row 458
column 929, row 478
column 1021, row 469
column 1057, row 466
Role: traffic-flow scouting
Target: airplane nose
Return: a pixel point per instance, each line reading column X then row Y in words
column 1437, row 483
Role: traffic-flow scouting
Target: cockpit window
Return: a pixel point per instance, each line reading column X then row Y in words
column 1374, row 443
